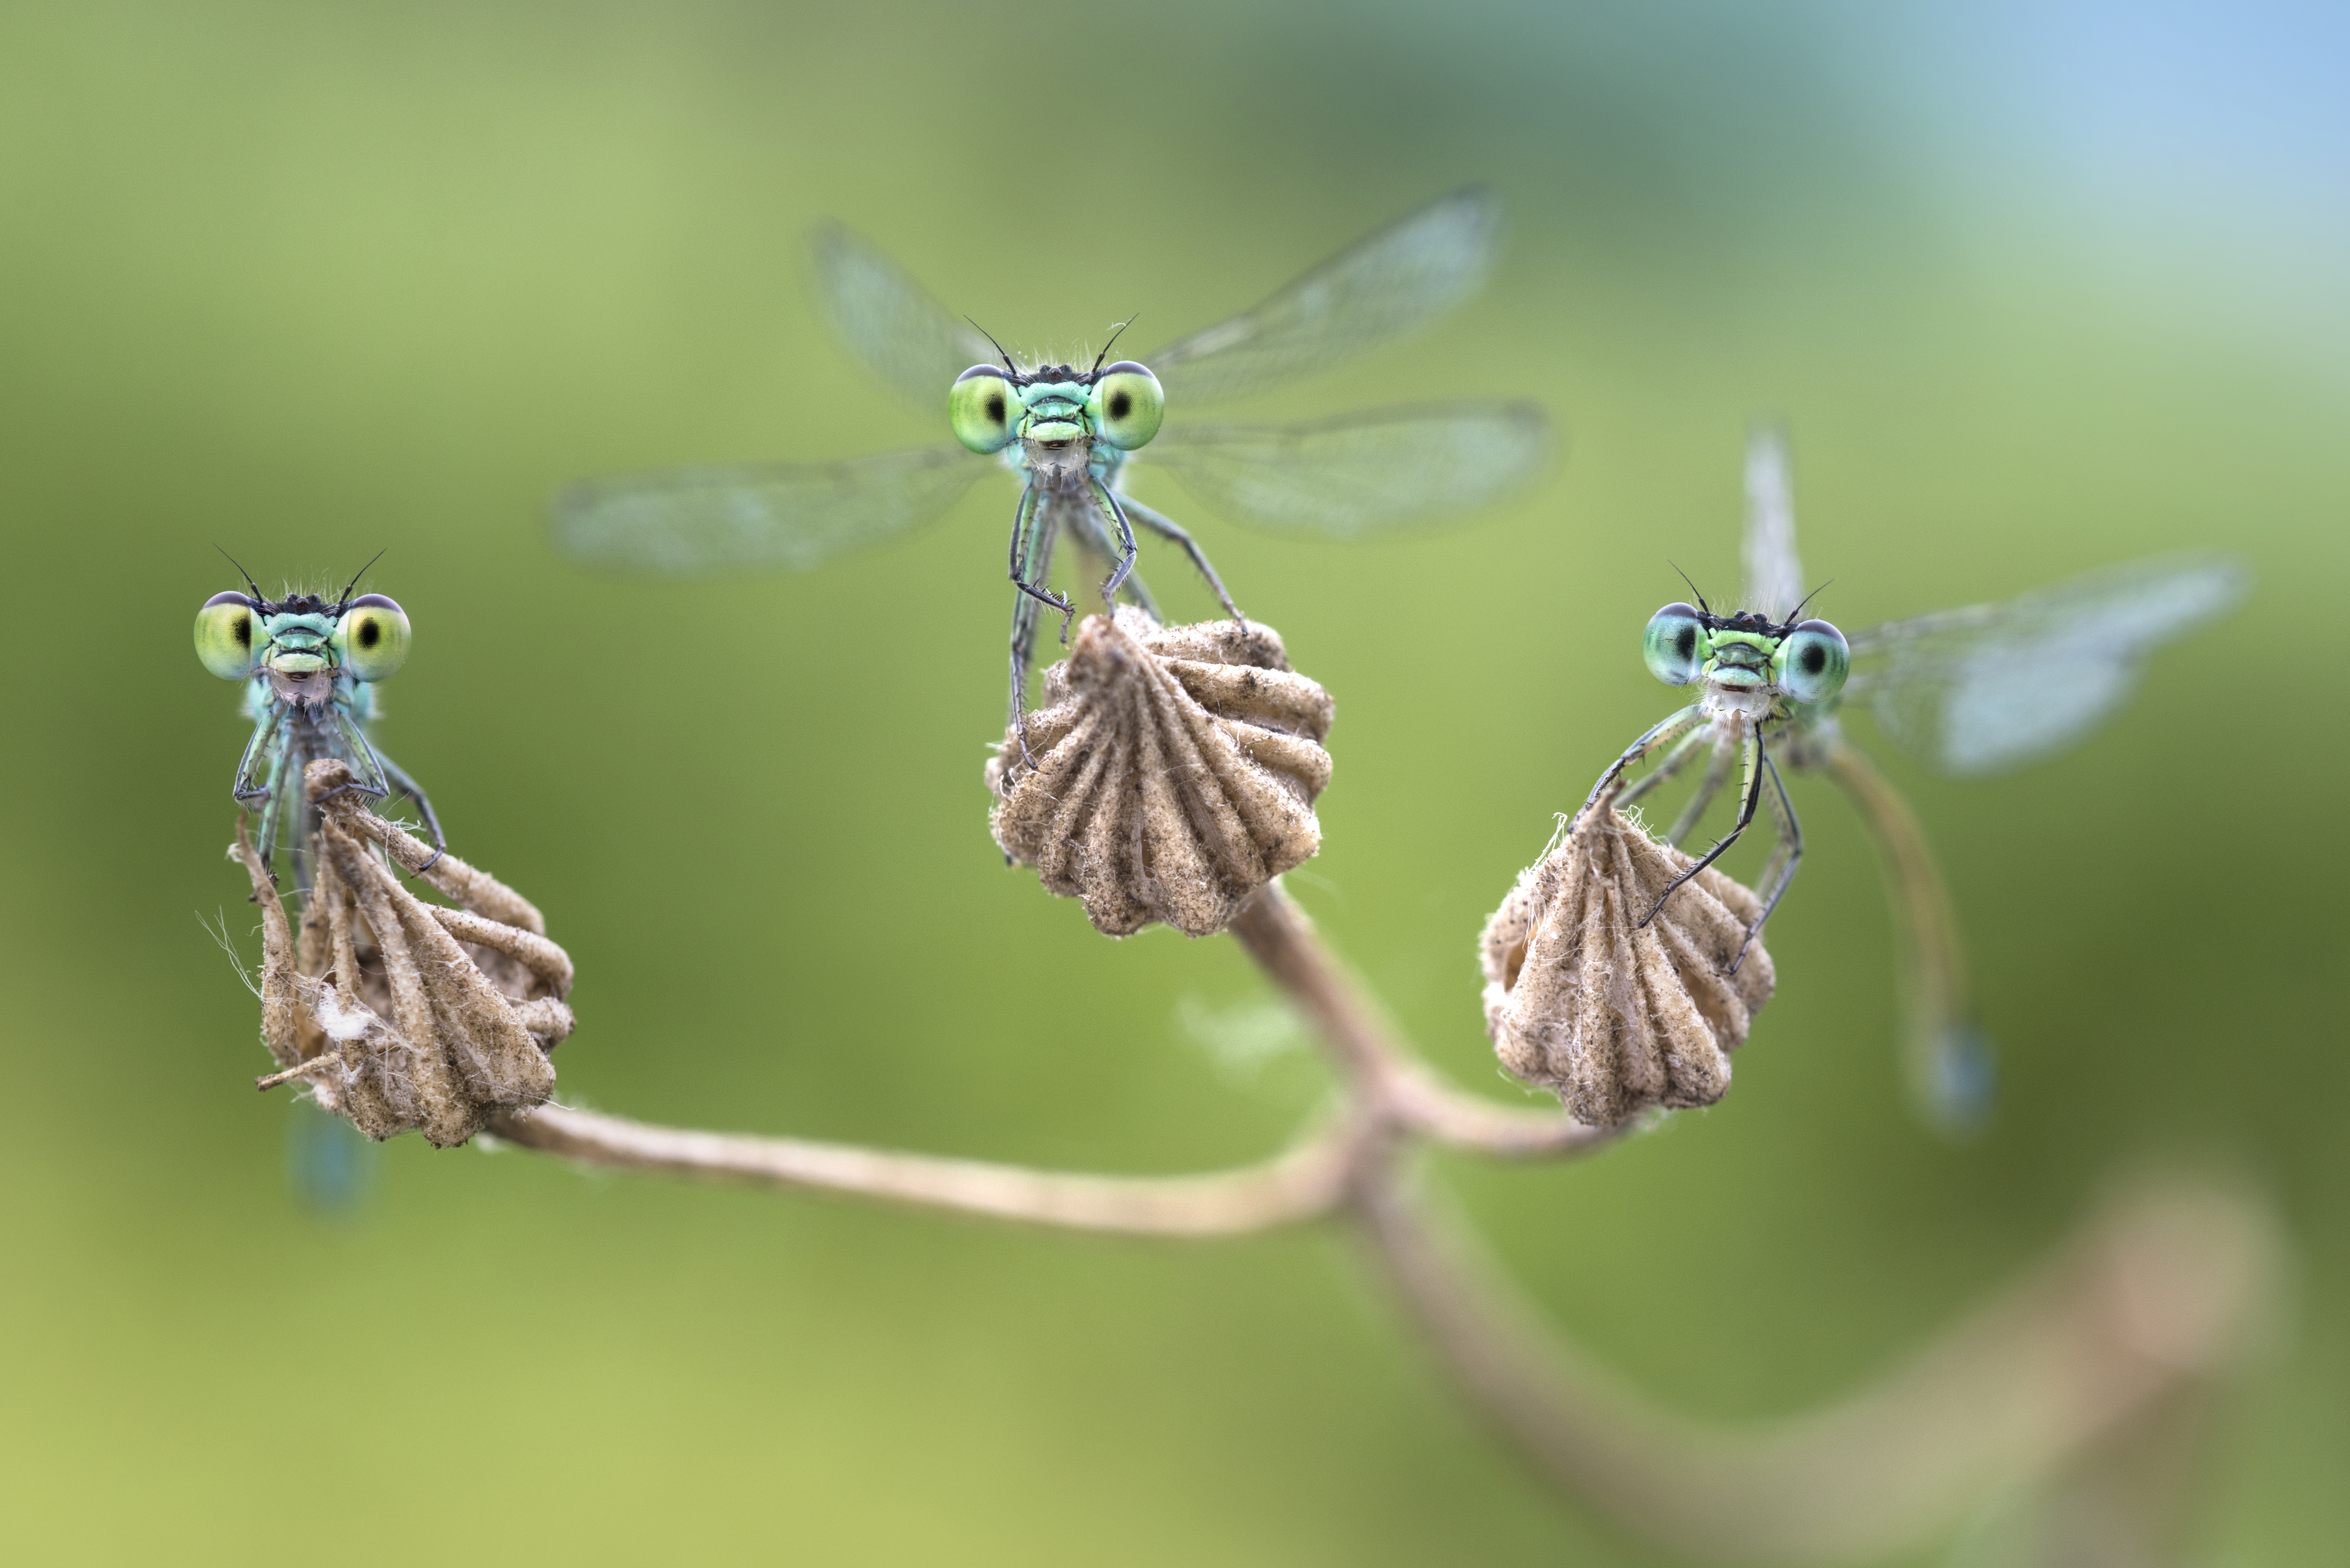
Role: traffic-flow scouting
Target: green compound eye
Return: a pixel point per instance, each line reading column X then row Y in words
column 224, row 636
column 1673, row 643
column 372, row 639
column 1127, row 406
column 983, row 407
column 1814, row 661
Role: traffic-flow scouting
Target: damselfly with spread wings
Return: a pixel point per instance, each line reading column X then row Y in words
column 1969, row 691
column 1068, row 435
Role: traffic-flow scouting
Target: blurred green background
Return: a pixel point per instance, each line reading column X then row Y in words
column 2037, row 288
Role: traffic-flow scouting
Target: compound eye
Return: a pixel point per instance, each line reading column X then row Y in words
column 1815, row 661
column 224, row 635
column 1127, row 406
column 984, row 408
column 372, row 639
column 1674, row 644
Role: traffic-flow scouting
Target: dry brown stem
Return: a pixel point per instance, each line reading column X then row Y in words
column 2141, row 1312
column 2149, row 1303
column 1380, row 1069
column 1302, row 1184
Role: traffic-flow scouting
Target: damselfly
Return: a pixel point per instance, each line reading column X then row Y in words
column 309, row 665
column 1069, row 435
column 1970, row 691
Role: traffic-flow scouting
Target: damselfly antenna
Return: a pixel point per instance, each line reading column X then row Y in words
column 1693, row 588
column 1115, row 334
column 344, row 602
column 250, row 585
column 1796, row 614
column 983, row 332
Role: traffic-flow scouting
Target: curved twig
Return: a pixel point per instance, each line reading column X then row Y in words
column 1372, row 1055
column 1444, row 1114
column 1303, row 1183
column 2151, row 1299
column 2149, row 1305
column 1388, row 1093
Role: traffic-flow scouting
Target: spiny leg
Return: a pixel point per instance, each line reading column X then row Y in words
column 1666, row 729
column 1127, row 549
column 272, row 803
column 1749, row 798
column 252, row 793
column 1031, row 555
column 1167, row 529
column 1768, row 881
column 403, row 782
column 290, row 812
column 1096, row 538
column 264, row 738
column 1023, row 645
column 1662, row 773
column 1717, row 773
column 1033, row 530
column 1779, row 870
column 346, row 741
column 295, row 808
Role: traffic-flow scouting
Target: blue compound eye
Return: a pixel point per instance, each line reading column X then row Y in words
column 1814, row 661
column 1674, row 644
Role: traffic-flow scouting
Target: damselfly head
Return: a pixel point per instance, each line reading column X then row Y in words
column 301, row 640
column 1121, row 405
column 1807, row 660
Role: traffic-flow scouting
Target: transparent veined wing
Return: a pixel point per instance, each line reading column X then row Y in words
column 1362, row 472
column 888, row 321
column 1408, row 273
column 1980, row 690
column 1774, row 575
column 688, row 522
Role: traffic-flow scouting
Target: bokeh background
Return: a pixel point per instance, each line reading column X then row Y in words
column 2037, row 288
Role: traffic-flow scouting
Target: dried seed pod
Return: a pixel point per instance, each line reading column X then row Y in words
column 1174, row 772
column 1611, row 1016
column 401, row 1014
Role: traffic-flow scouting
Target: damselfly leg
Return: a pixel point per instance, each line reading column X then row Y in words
column 1751, row 747
column 1779, row 870
column 1169, row 530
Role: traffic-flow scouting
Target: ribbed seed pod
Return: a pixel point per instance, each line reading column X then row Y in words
column 1174, row 772
column 401, row 1014
column 1610, row 1016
